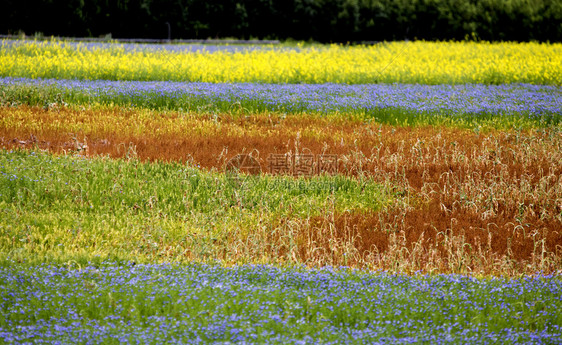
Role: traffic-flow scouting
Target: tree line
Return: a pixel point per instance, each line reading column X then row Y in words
column 317, row 20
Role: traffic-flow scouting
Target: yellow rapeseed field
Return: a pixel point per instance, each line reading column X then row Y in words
column 401, row 62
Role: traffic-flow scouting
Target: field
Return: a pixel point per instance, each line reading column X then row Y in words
column 401, row 192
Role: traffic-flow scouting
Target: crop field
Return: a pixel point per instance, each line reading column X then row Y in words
column 405, row 192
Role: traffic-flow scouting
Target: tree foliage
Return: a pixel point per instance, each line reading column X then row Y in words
column 319, row 20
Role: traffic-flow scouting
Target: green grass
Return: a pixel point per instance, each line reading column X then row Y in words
column 69, row 207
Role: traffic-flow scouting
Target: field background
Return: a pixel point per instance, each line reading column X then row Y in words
column 451, row 178
column 122, row 218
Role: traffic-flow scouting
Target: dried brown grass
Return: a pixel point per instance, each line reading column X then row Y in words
column 484, row 202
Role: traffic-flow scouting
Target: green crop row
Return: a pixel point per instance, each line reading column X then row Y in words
column 68, row 207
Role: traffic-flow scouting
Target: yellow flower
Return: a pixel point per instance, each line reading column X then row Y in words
column 402, row 62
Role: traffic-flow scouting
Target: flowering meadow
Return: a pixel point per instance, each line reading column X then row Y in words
column 390, row 103
column 200, row 304
column 404, row 192
column 393, row 62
